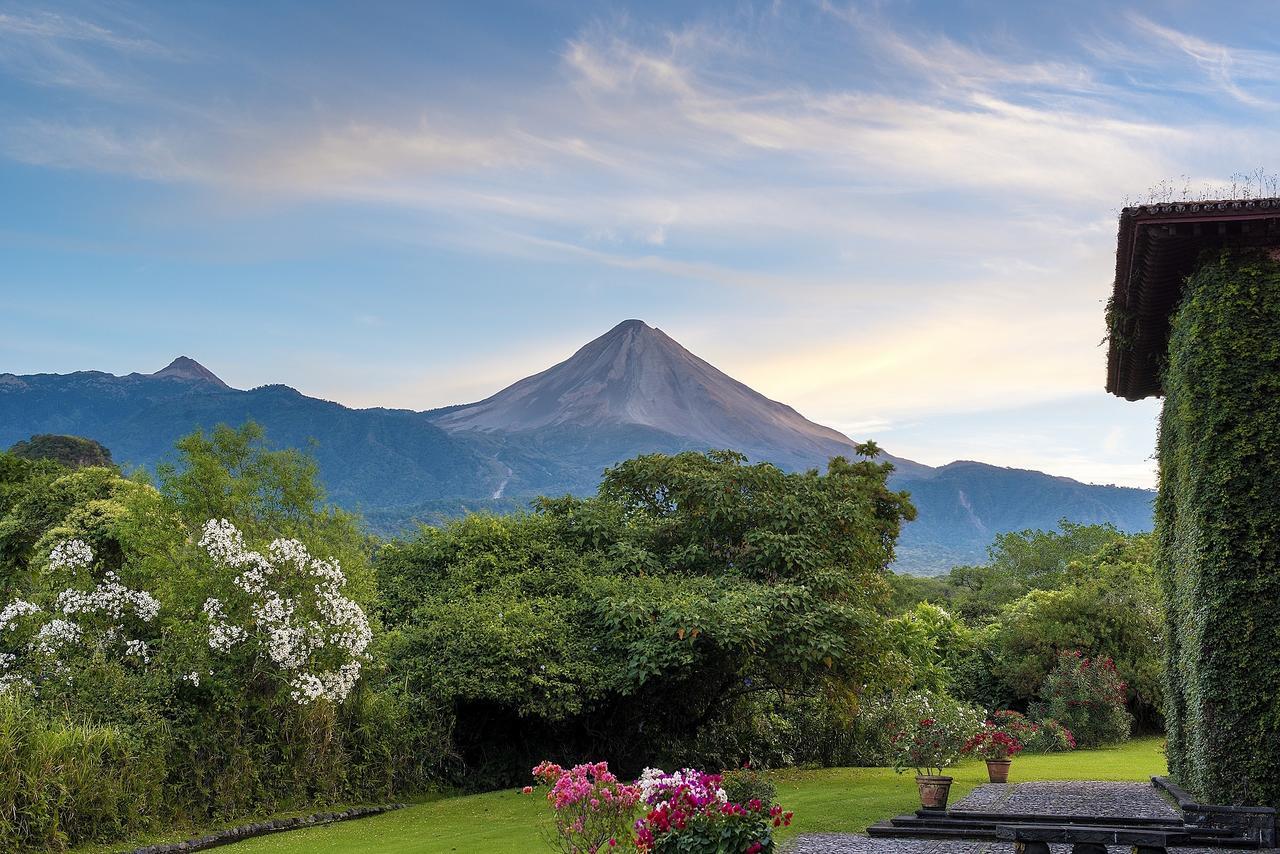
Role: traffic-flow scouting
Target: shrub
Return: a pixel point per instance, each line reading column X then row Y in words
column 1218, row 530
column 593, row 810
column 1088, row 697
column 992, row 744
column 689, row 585
column 63, row 783
column 746, row 785
column 1012, row 723
column 1049, row 736
column 690, row 813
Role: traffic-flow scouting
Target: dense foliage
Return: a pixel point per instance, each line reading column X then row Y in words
column 110, row 655
column 632, row 624
column 71, row 451
column 1089, row 589
column 1218, row 529
column 1087, row 696
column 61, row 781
column 934, row 733
column 218, row 641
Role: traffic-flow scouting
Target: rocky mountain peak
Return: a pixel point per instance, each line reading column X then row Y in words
column 186, row 368
column 637, row 375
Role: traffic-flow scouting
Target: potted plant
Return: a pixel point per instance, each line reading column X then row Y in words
column 931, row 741
column 997, row 747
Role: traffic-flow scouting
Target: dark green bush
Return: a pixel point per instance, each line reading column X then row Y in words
column 1049, row 736
column 666, row 621
column 746, row 785
column 1087, row 696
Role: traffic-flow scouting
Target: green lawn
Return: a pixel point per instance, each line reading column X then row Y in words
column 836, row 799
column 849, row 799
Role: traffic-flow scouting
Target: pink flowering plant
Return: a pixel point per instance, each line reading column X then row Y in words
column 1049, row 736
column 685, row 812
column 689, row 813
column 594, row 811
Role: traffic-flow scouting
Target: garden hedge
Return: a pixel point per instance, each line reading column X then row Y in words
column 1218, row 529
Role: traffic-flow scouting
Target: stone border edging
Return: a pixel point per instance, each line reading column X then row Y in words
column 261, row 828
column 1256, row 822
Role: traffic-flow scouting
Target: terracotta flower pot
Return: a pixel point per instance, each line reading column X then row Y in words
column 998, row 770
column 933, row 791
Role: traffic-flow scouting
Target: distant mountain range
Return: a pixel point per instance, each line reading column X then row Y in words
column 633, row 390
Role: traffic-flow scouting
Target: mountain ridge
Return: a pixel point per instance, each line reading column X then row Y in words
column 632, row 390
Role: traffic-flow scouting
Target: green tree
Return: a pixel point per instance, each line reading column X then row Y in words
column 1106, row 605
column 626, row 623
column 47, row 502
column 1021, row 561
column 71, row 451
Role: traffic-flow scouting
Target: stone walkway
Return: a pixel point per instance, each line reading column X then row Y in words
column 1118, row 799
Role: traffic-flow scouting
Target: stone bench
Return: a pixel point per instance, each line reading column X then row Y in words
column 1035, row 838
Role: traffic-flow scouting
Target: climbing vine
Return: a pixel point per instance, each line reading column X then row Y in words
column 1218, row 528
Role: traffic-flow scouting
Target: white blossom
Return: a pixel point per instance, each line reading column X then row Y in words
column 70, row 554
column 54, row 634
column 222, row 635
column 193, row 677
column 138, row 649
column 290, row 632
column 289, row 551
column 9, row 681
column 14, row 610
column 222, row 541
column 110, row 598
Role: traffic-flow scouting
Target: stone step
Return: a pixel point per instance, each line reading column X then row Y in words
column 888, row 830
column 1041, row 818
column 940, row 826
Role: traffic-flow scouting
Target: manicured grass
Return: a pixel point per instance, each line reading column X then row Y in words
column 850, row 799
column 834, row 799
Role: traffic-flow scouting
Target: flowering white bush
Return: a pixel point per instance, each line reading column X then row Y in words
column 291, row 606
column 70, row 554
column 657, row 786
column 15, row 609
column 110, row 598
column 101, row 615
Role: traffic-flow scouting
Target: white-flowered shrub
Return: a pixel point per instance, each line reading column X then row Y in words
column 288, row 607
column 71, row 555
column 36, row 642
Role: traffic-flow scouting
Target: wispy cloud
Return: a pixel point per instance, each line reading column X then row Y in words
column 55, row 50
column 1235, row 72
column 50, row 26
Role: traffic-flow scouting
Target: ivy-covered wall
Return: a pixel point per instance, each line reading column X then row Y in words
column 1218, row 526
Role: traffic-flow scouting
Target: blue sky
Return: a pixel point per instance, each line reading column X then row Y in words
column 898, row 217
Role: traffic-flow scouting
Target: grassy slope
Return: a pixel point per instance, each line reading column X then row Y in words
column 836, row 799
